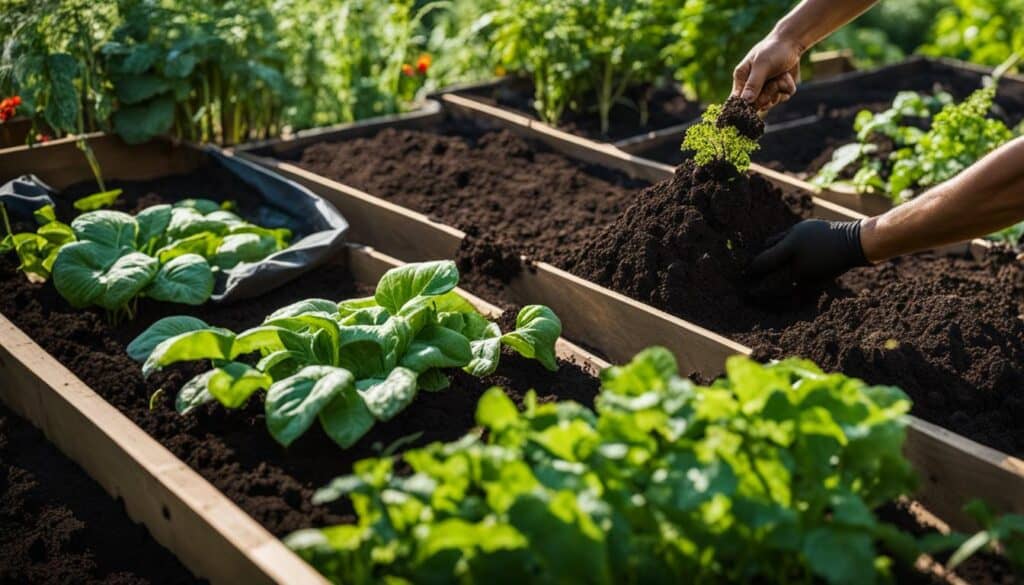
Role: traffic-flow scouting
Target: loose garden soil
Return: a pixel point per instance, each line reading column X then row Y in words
column 946, row 330
column 665, row 107
column 58, row 526
column 232, row 449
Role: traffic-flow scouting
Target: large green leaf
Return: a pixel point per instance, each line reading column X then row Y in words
column 202, row 244
column 437, row 347
column 125, row 279
column 78, row 270
column 139, row 88
column 57, row 233
column 213, row 344
column 233, row 383
column 400, row 285
column 346, row 418
column 112, row 229
column 237, row 248
column 485, row 344
column 62, row 108
column 152, row 222
column 186, row 279
column 188, row 221
column 537, row 330
column 166, row 328
column 202, row 205
column 386, row 398
column 303, row 306
column 141, row 122
column 294, row 403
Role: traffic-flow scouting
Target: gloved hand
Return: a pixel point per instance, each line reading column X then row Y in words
column 811, row 252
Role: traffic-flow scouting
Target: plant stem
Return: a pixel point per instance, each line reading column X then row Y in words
column 94, row 163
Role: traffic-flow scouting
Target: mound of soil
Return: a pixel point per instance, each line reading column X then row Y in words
column 739, row 114
column 232, row 448
column 663, row 106
column 58, row 526
column 949, row 331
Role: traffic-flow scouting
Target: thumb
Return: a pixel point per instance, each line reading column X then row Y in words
column 755, row 83
column 773, row 258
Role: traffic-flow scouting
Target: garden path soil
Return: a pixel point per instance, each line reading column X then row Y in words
column 58, row 526
column 682, row 246
column 665, row 107
column 232, row 449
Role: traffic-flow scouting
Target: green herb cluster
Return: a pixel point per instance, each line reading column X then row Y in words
column 986, row 32
column 711, row 143
column 168, row 253
column 351, row 363
column 959, row 135
column 769, row 475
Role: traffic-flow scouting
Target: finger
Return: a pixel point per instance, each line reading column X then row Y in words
column 787, row 85
column 768, row 94
column 773, row 258
column 739, row 76
column 754, row 83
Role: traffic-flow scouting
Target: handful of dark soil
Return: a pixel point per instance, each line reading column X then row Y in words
column 739, row 114
column 687, row 242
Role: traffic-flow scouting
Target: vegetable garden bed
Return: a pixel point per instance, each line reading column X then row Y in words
column 585, row 308
column 803, row 133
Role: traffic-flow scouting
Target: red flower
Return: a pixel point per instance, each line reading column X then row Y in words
column 8, row 106
column 423, row 63
column 407, row 70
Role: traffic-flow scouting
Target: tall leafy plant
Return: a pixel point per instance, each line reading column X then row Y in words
column 346, row 365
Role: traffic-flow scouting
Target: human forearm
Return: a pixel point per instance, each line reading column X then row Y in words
column 985, row 198
column 813, row 20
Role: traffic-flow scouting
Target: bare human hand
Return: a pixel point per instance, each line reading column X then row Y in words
column 768, row 75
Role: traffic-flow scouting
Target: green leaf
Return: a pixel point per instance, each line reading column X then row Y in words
column 304, row 306
column 57, row 233
column 78, row 272
column 400, row 285
column 125, row 279
column 45, row 215
column 237, row 248
column 194, row 393
column 62, row 108
column 346, row 418
column 202, row 244
column 185, row 279
column 496, row 411
column 97, row 200
column 649, row 370
column 139, row 88
column 213, row 344
column 386, row 398
column 433, row 380
column 188, row 221
column 112, row 229
column 166, row 328
column 537, row 330
column 141, row 122
column 437, row 347
column 294, row 403
column 485, row 344
column 152, row 223
column 233, row 383
column 570, row 544
column 840, row 557
column 203, row 206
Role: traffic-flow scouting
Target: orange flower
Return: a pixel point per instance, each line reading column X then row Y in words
column 423, row 63
column 8, row 107
column 407, row 70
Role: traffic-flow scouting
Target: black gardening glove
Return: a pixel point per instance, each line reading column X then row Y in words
column 813, row 251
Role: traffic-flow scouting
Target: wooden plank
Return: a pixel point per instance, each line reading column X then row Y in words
column 182, row 511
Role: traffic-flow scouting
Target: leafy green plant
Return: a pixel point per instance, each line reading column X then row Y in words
column 769, row 475
column 1003, row 534
column 711, row 36
column 583, row 49
column 987, row 32
column 351, row 363
column 109, row 259
column 960, row 134
column 711, row 143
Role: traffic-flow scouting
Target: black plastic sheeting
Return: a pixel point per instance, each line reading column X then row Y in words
column 288, row 204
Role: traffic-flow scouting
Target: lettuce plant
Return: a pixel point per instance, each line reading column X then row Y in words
column 769, row 475
column 346, row 364
column 168, row 253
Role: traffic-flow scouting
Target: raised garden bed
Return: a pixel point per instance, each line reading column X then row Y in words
column 803, row 133
column 667, row 107
column 585, row 318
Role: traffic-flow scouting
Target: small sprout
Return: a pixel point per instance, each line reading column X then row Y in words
column 711, row 143
column 154, row 398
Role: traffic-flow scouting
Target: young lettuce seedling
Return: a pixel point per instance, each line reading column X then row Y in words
column 351, row 363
